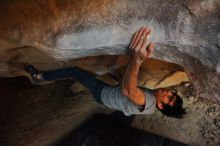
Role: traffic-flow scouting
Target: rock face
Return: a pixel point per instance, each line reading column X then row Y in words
column 186, row 33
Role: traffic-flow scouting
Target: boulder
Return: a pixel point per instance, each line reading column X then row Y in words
column 52, row 33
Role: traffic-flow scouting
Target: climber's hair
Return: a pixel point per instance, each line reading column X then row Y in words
column 176, row 111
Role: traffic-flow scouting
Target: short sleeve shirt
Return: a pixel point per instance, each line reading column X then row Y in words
column 112, row 97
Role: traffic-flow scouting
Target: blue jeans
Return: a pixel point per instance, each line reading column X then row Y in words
column 84, row 77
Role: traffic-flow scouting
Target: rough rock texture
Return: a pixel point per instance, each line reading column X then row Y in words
column 186, row 33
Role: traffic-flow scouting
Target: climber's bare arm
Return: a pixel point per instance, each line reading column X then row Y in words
column 140, row 49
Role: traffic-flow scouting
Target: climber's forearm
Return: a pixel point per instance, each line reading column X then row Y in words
column 140, row 49
column 129, row 83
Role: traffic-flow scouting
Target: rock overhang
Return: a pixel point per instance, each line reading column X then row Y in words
column 185, row 32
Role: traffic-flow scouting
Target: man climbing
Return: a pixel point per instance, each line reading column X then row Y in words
column 126, row 97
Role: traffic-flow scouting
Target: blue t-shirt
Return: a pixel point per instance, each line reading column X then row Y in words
column 112, row 97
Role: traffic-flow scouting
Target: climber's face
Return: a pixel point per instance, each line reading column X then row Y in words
column 164, row 96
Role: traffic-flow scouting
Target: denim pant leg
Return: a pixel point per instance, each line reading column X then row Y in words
column 84, row 77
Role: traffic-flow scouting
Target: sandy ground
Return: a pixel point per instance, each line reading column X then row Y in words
column 40, row 115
